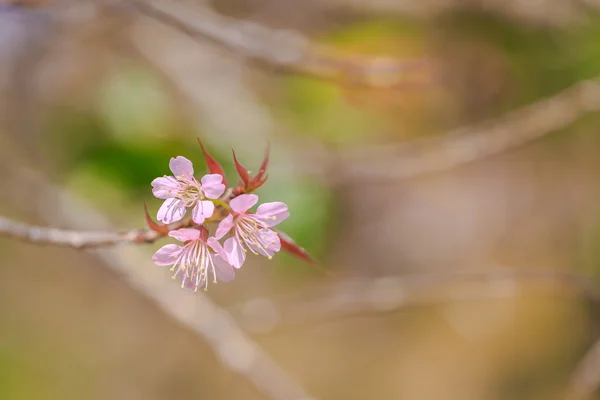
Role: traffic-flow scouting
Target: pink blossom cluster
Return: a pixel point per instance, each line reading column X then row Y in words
column 203, row 257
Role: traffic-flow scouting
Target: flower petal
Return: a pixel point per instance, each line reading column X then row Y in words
column 185, row 234
column 243, row 202
column 235, row 254
column 167, row 255
column 272, row 213
column 271, row 238
column 202, row 210
column 264, row 243
column 165, row 187
column 224, row 270
column 216, row 246
column 181, row 166
column 171, row 210
column 224, row 226
column 212, row 186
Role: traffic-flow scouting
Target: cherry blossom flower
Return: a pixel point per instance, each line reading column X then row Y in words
column 251, row 231
column 182, row 191
column 196, row 260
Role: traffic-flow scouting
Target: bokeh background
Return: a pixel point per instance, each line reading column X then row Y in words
column 421, row 297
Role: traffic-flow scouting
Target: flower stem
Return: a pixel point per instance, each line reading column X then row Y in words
column 221, row 203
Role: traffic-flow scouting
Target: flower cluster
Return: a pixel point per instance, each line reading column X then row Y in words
column 202, row 257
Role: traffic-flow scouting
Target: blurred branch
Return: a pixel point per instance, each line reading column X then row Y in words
column 232, row 347
column 585, row 380
column 78, row 239
column 281, row 48
column 462, row 146
column 546, row 12
column 391, row 293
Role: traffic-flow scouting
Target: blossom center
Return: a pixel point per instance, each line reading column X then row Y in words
column 189, row 191
column 194, row 265
column 254, row 233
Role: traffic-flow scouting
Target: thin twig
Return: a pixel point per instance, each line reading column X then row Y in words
column 585, row 379
column 78, row 239
column 367, row 296
column 465, row 145
column 232, row 347
column 280, row 48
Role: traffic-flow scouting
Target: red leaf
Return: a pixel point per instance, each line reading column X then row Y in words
column 243, row 172
column 155, row 226
column 265, row 164
column 288, row 245
column 213, row 165
column 260, row 178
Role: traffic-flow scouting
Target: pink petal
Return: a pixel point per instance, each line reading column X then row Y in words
column 181, row 166
column 271, row 238
column 212, row 186
column 185, row 234
column 167, row 255
column 235, row 254
column 165, row 187
column 202, row 210
column 225, row 271
column 243, row 202
column 267, row 245
column 171, row 210
column 216, row 246
column 224, row 226
column 272, row 213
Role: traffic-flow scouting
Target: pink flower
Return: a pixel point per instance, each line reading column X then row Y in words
column 183, row 190
column 194, row 261
column 251, row 231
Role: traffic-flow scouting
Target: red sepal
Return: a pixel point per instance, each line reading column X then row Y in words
column 242, row 172
column 155, row 226
column 213, row 165
column 289, row 246
column 250, row 184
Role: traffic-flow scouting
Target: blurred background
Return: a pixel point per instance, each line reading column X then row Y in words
column 439, row 159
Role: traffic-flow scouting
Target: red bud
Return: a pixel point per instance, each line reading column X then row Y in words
column 203, row 232
column 155, row 226
column 213, row 166
column 263, row 167
column 243, row 172
column 288, row 245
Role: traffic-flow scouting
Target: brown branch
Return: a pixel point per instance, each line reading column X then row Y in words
column 585, row 379
column 549, row 13
column 232, row 347
column 466, row 145
column 280, row 48
column 368, row 296
column 80, row 239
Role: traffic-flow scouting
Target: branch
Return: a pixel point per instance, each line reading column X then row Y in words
column 367, row 296
column 585, row 379
column 465, row 145
column 77, row 239
column 554, row 13
column 232, row 347
column 280, row 48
